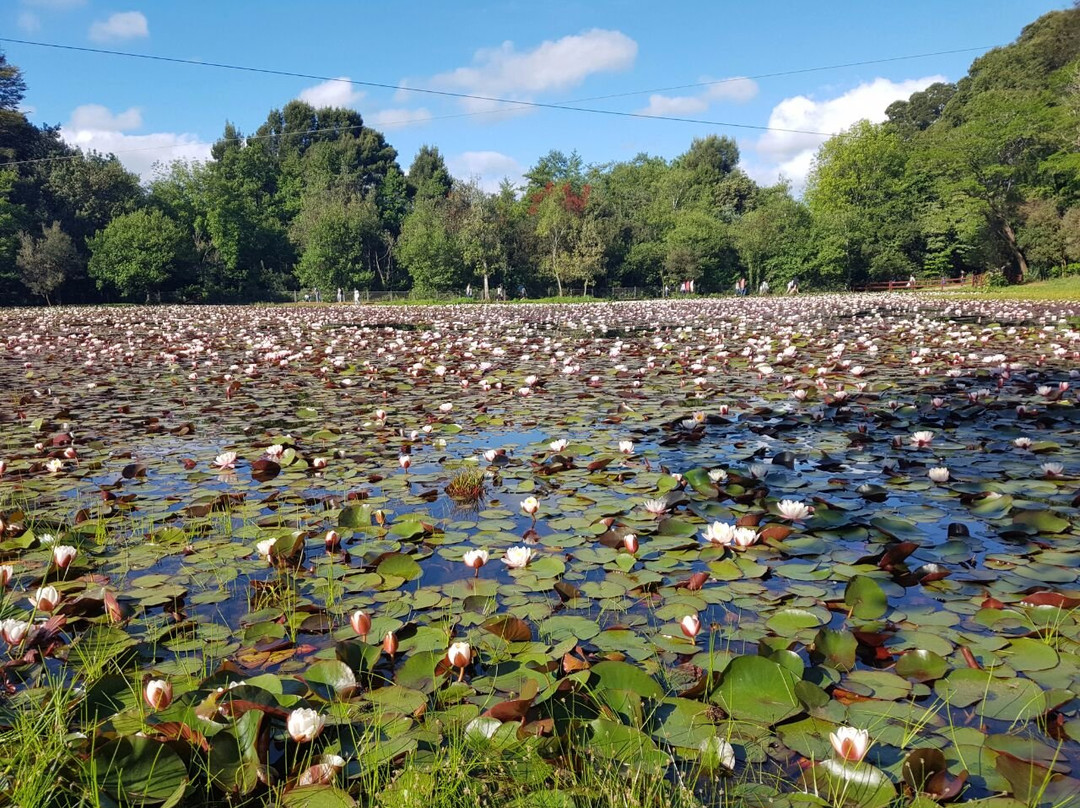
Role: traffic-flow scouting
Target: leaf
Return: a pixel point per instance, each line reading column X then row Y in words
column 142, row 770
column 758, row 690
column 850, row 785
column 511, row 629
column 865, row 597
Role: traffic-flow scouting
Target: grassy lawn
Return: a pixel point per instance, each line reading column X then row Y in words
column 1057, row 289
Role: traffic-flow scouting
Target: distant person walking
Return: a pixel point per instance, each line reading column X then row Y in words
column 340, row 295
column 793, row 286
column 764, row 288
column 355, row 296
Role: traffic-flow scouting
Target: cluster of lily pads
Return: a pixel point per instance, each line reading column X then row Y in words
column 821, row 550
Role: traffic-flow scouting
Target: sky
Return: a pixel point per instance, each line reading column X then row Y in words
column 753, row 64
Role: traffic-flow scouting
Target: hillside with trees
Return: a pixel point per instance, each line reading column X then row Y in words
column 978, row 176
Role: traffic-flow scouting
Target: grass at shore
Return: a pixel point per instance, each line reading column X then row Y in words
column 1056, row 289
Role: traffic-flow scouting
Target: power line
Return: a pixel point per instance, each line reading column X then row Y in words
column 385, row 86
column 567, row 106
column 780, row 73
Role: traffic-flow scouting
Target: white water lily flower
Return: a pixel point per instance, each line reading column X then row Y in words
column 657, row 507
column 720, row 533
column 626, row 446
column 1022, row 443
column 264, row 547
column 1053, row 469
column 517, row 558
column 940, row 474
column 226, row 460
column 530, row 505
column 558, row 445
column 793, row 510
column 850, row 744
column 718, row 475
column 921, row 439
column 304, row 724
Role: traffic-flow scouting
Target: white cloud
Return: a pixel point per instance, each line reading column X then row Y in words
column 333, row 93
column 95, row 116
column 678, row 106
column 122, row 25
column 95, row 128
column 386, row 119
column 791, row 153
column 559, row 64
column 28, row 21
column 488, row 168
column 738, row 90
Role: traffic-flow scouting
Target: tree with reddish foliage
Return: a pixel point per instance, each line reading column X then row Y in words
column 559, row 213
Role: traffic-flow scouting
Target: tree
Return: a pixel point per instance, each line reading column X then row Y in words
column 555, row 168
column 428, row 250
column 46, row 262
column 557, row 210
column 12, row 85
column 428, row 175
column 862, row 198
column 135, row 253
column 992, row 159
column 483, row 235
column 918, row 112
column 336, row 240
column 774, row 239
column 1041, row 236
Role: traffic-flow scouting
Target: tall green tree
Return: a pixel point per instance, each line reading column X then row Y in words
column 136, row 254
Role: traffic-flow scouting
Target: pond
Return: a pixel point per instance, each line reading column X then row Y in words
column 817, row 549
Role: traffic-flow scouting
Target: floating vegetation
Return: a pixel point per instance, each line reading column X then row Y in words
column 467, row 485
column 775, row 552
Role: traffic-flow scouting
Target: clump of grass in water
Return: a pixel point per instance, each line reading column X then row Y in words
column 467, row 486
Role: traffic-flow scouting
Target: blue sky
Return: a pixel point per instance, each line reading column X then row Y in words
column 552, row 52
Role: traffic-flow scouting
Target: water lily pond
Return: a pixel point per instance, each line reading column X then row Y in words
column 801, row 551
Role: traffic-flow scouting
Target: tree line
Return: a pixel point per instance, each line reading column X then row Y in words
column 976, row 176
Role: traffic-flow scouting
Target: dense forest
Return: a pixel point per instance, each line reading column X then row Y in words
column 978, row 176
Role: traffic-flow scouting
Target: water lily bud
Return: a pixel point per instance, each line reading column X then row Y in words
column 380, row 518
column 318, row 463
column 45, row 599
column 460, row 654
column 390, row 644
column 475, row 559
column 63, row 555
column 530, row 505
column 158, row 694
column 7, row 572
column 490, row 455
column 304, row 725
column 690, row 625
column 332, row 540
column 360, row 622
column 3, row 467
column 404, row 461
column 630, row 542
column 849, row 743
column 12, row 631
